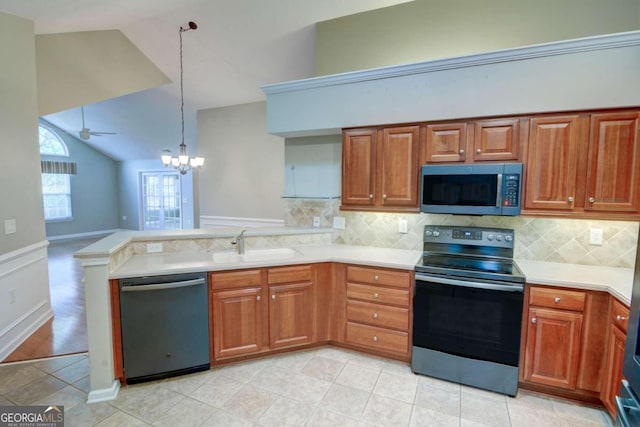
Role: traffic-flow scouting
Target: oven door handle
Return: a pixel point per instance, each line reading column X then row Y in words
column 467, row 284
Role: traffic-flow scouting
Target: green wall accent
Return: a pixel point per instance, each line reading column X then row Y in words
column 430, row 29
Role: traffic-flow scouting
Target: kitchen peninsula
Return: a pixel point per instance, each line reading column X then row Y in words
column 131, row 254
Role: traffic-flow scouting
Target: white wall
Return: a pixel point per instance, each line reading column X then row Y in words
column 243, row 173
column 24, row 281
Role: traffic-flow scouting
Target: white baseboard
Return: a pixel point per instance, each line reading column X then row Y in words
column 207, row 221
column 104, row 394
column 81, row 235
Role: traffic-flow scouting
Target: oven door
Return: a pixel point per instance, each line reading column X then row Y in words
column 472, row 319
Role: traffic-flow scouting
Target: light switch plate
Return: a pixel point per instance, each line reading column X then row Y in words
column 338, row 222
column 402, row 226
column 596, row 236
column 9, row 226
column 316, row 221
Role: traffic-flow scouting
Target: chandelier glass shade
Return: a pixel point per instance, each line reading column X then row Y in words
column 183, row 163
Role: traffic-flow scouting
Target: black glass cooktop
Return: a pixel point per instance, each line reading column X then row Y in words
column 459, row 265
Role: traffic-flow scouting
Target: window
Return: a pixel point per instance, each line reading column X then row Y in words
column 56, row 184
column 161, row 208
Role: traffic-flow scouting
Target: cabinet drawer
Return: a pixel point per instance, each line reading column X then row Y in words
column 377, row 338
column 557, row 298
column 377, row 276
column 378, row 294
column 620, row 315
column 378, row 315
column 297, row 273
column 235, row 279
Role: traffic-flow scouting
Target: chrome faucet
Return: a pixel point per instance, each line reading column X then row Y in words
column 239, row 242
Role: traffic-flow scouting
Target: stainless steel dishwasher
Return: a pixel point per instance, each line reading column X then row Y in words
column 165, row 326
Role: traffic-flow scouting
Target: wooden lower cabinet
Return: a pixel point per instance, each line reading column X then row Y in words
column 619, row 318
column 237, row 322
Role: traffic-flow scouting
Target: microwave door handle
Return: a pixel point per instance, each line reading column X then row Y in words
column 499, row 191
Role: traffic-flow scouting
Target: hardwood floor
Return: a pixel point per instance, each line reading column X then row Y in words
column 66, row 332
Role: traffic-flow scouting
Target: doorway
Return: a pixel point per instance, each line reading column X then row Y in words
column 161, row 201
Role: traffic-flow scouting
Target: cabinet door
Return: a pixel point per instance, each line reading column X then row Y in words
column 237, row 322
column 291, row 315
column 446, row 143
column 397, row 159
column 552, row 163
column 497, row 139
column 613, row 369
column 358, row 167
column 613, row 173
column 553, row 347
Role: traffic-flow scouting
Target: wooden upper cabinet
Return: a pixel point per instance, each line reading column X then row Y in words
column 445, row 143
column 496, row 139
column 358, row 167
column 397, row 160
column 613, row 171
column 552, row 162
column 380, row 169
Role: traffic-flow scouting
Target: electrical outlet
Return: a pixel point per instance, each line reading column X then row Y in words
column 596, row 236
column 338, row 222
column 9, row 226
column 403, row 226
column 12, row 296
column 154, row 247
column 316, row 221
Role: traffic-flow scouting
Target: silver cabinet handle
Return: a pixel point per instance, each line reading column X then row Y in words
column 478, row 151
column 534, row 320
column 592, row 199
column 375, row 316
column 376, row 277
column 258, row 298
column 384, row 197
column 273, row 296
column 371, row 196
column 375, row 295
column 620, row 318
column 461, row 151
column 557, row 300
column 570, row 199
column 375, row 338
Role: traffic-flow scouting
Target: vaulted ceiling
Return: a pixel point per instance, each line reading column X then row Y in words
column 239, row 45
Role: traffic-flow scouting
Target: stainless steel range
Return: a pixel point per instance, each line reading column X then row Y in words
column 467, row 308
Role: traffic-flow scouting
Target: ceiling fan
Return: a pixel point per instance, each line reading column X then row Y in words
column 86, row 133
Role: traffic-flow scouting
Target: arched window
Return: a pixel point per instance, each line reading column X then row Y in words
column 56, row 181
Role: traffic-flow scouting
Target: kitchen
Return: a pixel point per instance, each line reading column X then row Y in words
column 392, row 224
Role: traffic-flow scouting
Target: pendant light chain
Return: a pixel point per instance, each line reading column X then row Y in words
column 182, row 145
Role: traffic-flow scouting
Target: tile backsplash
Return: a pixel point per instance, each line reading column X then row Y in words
column 538, row 239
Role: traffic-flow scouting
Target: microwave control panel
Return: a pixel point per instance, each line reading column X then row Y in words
column 511, row 190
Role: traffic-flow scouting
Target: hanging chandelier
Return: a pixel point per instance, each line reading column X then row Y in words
column 182, row 162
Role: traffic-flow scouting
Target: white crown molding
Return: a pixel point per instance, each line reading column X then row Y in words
column 565, row 47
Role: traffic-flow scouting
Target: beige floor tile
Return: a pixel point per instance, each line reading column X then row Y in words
column 483, row 410
column 120, row 419
column 443, row 400
column 323, row 368
column 35, row 390
column 83, row 384
column 216, row 391
column 189, row 412
column 335, row 353
column 73, row 372
column 423, row 417
column 294, row 362
column 147, row 402
column 56, row 363
column 387, row 412
column 323, row 418
column 17, row 375
column 223, row 419
column 431, row 382
column 366, row 360
column 398, row 387
column 345, row 400
column 286, row 412
column 186, row 384
column 245, row 371
column 581, row 413
column 249, row 402
column 305, row 389
column 67, row 397
column 358, row 376
column 276, row 380
column 5, row 402
column 398, row 368
column 83, row 414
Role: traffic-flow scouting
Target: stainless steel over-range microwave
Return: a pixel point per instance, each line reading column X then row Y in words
column 472, row 189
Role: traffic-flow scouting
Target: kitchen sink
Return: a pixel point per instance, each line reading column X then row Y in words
column 256, row 255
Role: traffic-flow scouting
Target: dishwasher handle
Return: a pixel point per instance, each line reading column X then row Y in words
column 161, row 286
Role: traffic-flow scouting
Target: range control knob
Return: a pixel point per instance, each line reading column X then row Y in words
column 490, row 237
column 436, row 233
column 428, row 233
column 508, row 238
column 499, row 238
